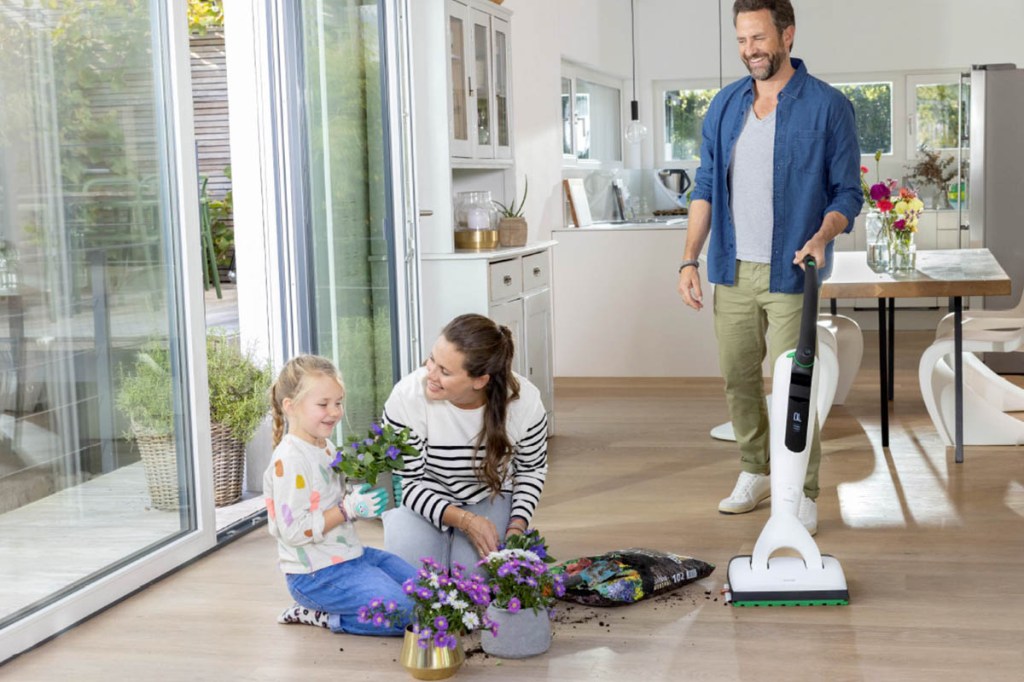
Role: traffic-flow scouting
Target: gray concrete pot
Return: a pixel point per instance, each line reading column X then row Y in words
column 520, row 635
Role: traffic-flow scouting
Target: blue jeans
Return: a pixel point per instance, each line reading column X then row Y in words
column 342, row 588
column 412, row 537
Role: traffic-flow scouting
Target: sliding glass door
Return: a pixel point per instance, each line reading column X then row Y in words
column 95, row 447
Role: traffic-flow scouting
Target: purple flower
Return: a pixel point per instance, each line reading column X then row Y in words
column 375, row 427
column 337, row 459
column 899, row 224
column 441, row 623
column 364, row 614
column 355, row 445
column 376, row 602
column 424, row 592
column 392, row 452
column 360, row 457
column 514, row 605
column 880, row 191
column 368, row 441
column 391, row 606
column 378, row 619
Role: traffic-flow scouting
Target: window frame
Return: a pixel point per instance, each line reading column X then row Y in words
column 913, row 80
column 659, row 88
column 575, row 72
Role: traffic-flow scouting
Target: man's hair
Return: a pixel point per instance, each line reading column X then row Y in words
column 782, row 11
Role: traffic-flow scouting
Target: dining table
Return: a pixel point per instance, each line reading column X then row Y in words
column 949, row 273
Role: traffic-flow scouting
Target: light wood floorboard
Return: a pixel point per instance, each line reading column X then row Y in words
column 933, row 552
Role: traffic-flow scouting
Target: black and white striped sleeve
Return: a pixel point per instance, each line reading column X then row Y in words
column 530, row 465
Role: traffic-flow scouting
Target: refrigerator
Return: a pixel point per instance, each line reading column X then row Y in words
column 995, row 217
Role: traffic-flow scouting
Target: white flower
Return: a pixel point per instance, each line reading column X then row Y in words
column 471, row 621
column 436, row 606
column 459, row 604
column 433, row 581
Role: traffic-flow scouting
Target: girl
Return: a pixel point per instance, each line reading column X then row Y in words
column 329, row 572
column 481, row 430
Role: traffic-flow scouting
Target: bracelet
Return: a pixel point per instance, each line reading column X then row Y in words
column 512, row 525
column 341, row 508
column 691, row 261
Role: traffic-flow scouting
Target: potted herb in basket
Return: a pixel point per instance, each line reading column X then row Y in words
column 523, row 591
column 237, row 386
column 512, row 228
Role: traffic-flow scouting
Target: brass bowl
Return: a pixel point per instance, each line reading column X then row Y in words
column 476, row 240
column 432, row 663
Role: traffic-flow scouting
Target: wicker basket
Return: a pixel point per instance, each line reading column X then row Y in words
column 160, row 460
column 228, row 466
column 512, row 231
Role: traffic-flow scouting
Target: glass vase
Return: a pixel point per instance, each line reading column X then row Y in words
column 877, row 244
column 902, row 253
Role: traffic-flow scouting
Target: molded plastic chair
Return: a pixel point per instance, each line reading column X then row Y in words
column 987, row 396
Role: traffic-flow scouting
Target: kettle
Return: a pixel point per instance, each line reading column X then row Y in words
column 676, row 183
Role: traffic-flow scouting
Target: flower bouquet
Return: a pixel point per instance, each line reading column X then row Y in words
column 523, row 591
column 384, row 449
column 896, row 211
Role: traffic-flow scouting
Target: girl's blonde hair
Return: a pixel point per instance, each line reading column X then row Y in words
column 291, row 383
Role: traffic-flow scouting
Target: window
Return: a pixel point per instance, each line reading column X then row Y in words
column 872, row 105
column 934, row 104
column 591, row 117
column 684, row 115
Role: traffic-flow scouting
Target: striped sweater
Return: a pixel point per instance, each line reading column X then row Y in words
column 445, row 436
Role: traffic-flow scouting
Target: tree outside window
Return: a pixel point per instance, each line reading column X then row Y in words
column 684, row 115
column 872, row 105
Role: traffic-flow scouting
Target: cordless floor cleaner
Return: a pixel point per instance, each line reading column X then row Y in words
column 811, row 578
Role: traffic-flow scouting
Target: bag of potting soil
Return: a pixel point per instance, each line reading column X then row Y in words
column 627, row 576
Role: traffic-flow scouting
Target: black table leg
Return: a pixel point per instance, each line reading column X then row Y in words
column 958, row 375
column 833, row 306
column 892, row 347
column 883, row 367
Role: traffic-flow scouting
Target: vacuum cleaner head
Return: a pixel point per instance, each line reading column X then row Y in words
column 788, row 581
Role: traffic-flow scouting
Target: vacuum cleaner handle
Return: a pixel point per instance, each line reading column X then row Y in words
column 799, row 403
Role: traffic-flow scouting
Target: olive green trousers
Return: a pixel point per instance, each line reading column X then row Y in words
column 744, row 314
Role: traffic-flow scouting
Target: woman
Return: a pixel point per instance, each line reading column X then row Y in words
column 481, row 431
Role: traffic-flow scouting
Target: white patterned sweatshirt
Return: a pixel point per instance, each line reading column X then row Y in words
column 445, row 436
column 298, row 486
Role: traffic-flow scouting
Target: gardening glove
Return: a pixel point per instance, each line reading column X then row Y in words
column 364, row 502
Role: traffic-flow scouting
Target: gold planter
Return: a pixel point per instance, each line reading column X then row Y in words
column 476, row 240
column 432, row 663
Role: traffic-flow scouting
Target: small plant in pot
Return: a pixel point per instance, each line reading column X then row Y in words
column 523, row 592
column 512, row 227
column 238, row 387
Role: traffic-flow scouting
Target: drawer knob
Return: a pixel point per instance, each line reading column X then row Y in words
column 536, row 272
column 507, row 279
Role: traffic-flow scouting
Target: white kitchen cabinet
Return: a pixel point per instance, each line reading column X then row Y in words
column 512, row 287
column 479, row 81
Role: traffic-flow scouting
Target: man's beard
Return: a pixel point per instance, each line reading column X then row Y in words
column 769, row 70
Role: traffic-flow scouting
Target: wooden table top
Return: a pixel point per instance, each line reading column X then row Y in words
column 953, row 272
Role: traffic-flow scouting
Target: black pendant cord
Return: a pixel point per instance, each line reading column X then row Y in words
column 632, row 41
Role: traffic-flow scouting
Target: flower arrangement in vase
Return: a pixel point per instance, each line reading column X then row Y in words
column 895, row 210
column 523, row 591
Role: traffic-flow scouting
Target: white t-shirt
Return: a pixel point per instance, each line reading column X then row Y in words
column 446, row 435
column 298, row 486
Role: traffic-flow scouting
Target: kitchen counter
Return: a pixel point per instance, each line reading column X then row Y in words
column 616, row 310
column 661, row 223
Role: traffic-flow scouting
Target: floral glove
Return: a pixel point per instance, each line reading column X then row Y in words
column 364, row 502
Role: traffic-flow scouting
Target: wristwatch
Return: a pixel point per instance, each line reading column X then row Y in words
column 692, row 261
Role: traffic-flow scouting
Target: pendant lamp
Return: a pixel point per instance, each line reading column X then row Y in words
column 635, row 130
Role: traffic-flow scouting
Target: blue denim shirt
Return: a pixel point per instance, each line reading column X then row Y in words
column 817, row 170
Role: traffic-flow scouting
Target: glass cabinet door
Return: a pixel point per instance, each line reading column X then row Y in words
column 480, row 87
column 502, row 114
column 458, row 96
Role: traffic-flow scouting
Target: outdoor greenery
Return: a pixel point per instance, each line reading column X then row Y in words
column 872, row 106
column 938, row 114
column 204, row 15
column 684, row 115
column 237, row 383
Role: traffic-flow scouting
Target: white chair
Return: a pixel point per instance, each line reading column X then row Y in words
column 984, row 319
column 987, row 397
column 829, row 366
column 849, row 353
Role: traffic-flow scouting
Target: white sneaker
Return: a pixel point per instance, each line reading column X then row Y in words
column 807, row 512
column 750, row 490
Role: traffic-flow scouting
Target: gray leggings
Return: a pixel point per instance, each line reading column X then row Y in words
column 412, row 537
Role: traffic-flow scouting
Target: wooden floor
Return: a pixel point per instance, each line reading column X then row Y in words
column 933, row 552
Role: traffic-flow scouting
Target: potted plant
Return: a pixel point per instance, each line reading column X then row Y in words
column 383, row 450
column 512, row 228
column 523, row 591
column 237, row 386
column 446, row 606
column 933, row 168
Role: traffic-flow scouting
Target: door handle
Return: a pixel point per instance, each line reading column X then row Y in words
column 426, row 213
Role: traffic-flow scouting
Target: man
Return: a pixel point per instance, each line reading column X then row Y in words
column 779, row 180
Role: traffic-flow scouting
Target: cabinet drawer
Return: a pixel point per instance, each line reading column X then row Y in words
column 536, row 271
column 506, row 279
